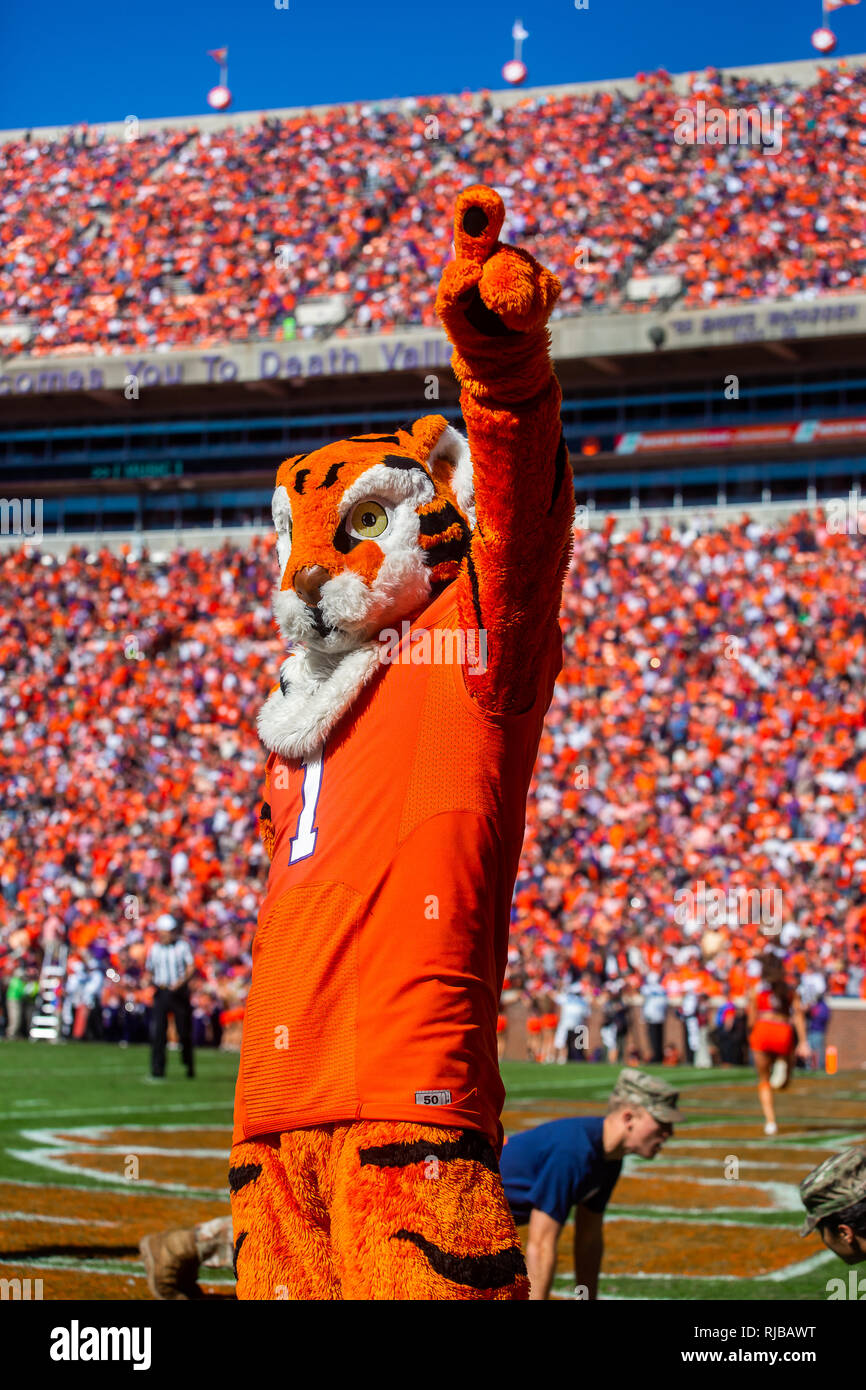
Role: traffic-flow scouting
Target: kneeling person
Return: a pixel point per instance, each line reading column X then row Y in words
column 576, row 1163
column 834, row 1195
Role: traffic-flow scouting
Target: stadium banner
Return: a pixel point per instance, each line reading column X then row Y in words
column 425, row 351
column 741, row 436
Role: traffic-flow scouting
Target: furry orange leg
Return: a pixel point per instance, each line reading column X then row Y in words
column 374, row 1210
column 280, row 1218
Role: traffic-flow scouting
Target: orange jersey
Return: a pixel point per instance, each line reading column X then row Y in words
column 382, row 941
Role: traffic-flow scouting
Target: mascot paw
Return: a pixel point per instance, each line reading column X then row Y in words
column 494, row 301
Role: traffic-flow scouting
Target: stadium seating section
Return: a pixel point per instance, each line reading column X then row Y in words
column 709, row 725
column 187, row 238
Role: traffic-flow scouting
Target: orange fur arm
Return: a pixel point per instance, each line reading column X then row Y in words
column 494, row 302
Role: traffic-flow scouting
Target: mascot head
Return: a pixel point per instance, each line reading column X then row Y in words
column 368, row 530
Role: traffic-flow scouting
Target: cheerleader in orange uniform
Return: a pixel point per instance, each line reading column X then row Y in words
column 777, row 1033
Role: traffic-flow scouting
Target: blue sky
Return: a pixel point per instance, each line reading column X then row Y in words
column 99, row 60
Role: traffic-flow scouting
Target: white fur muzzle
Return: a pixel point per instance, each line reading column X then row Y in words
column 299, row 715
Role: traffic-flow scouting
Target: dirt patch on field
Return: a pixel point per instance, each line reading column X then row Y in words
column 813, row 1104
column 188, row 1171
column 215, row 1139
column 682, row 1250
column 751, row 1154
column 515, row 1117
column 90, row 1227
column 677, row 1192
column 724, row 1132
column 139, row 1212
column 94, row 1228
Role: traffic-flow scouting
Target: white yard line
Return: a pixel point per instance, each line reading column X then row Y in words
column 54, row 1220
column 53, row 1160
column 143, row 1109
column 682, row 1220
column 776, row 1276
column 121, row 1270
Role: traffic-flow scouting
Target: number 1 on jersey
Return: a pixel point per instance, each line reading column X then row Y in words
column 304, row 841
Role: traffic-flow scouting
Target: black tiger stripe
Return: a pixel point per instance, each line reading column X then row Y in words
column 331, row 476
column 296, row 459
column 444, row 517
column 264, row 814
column 446, row 550
column 471, row 1145
column 318, row 621
column 559, row 470
column 246, row 1173
column 238, row 1243
column 473, row 581
column 407, row 464
column 478, row 1271
column 373, row 439
column 343, row 542
column 300, row 480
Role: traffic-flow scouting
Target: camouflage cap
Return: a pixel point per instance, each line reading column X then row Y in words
column 835, row 1184
column 637, row 1088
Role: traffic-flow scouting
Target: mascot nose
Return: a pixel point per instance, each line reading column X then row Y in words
column 308, row 584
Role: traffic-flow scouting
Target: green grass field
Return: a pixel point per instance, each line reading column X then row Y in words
column 93, row 1155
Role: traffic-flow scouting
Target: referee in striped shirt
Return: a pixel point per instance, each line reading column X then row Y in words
column 170, row 968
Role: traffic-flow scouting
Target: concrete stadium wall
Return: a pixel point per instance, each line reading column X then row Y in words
column 422, row 351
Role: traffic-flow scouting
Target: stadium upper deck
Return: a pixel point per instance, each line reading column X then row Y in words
column 337, row 219
column 202, row 299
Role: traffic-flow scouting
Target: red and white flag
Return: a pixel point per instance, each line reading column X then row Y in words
column 220, row 55
column 837, row 4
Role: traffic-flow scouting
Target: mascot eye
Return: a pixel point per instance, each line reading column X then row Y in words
column 368, row 519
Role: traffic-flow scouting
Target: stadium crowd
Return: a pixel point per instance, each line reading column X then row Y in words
column 708, row 728
column 191, row 238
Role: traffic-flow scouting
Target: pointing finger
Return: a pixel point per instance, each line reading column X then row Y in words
column 478, row 217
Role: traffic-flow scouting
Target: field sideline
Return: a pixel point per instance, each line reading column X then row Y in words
column 93, row 1155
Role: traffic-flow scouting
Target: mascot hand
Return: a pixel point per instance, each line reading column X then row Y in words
column 494, row 302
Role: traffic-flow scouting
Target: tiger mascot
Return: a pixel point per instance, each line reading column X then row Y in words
column 421, row 580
